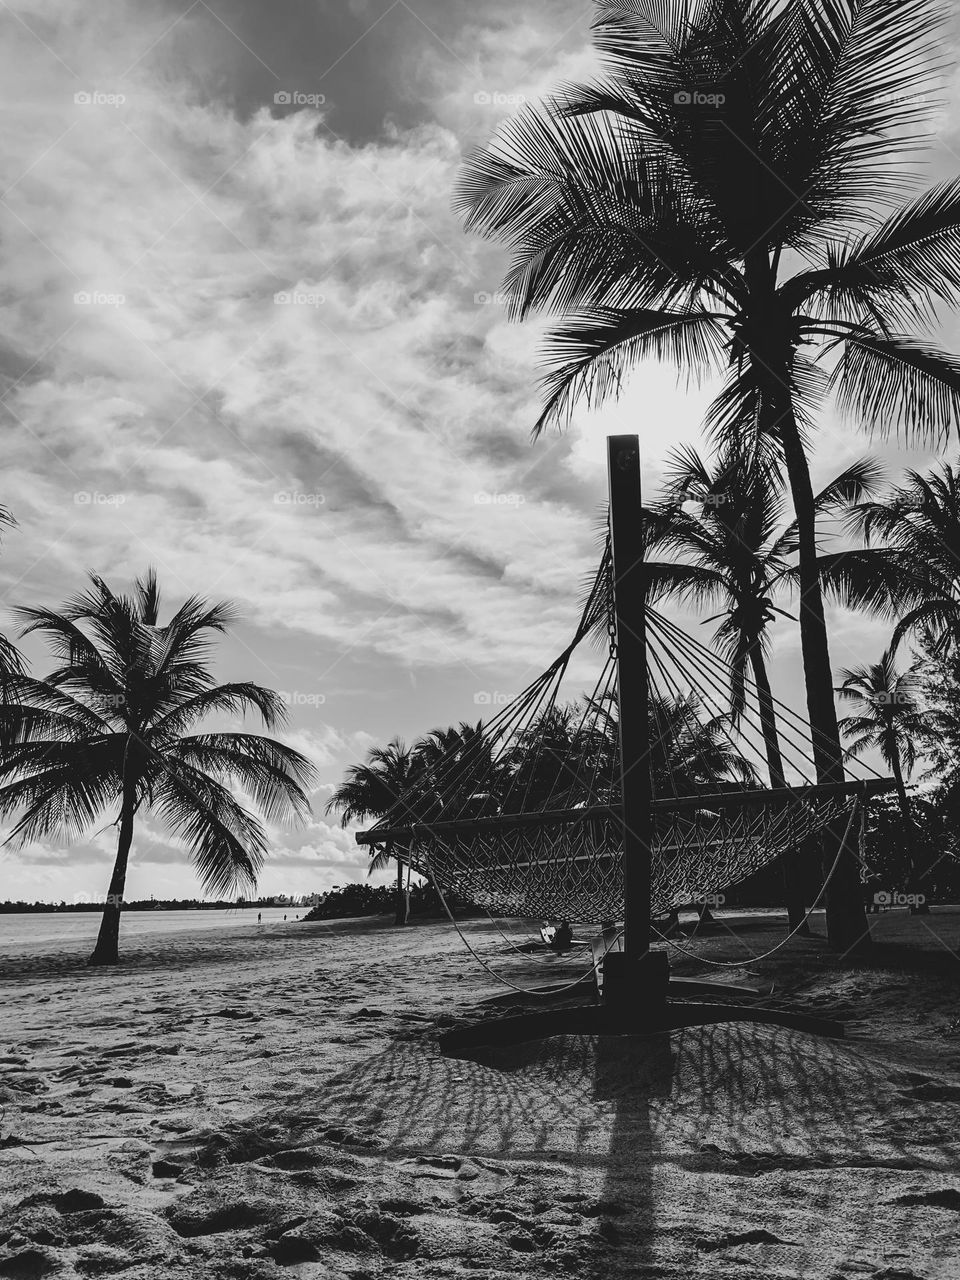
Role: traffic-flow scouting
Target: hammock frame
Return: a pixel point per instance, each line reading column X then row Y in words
column 636, row 979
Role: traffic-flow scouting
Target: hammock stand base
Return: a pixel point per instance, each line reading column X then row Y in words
column 635, row 1002
column 602, row 1020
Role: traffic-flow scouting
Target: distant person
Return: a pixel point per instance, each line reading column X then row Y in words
column 259, row 917
column 284, row 916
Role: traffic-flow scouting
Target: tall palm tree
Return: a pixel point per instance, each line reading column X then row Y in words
column 887, row 718
column 107, row 730
column 716, row 200
column 919, row 523
column 739, row 553
column 374, row 790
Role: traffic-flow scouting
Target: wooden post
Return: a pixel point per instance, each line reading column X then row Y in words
column 638, row 977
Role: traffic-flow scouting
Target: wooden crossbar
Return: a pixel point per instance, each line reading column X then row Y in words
column 553, row 817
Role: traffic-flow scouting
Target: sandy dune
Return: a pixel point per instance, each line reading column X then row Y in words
column 273, row 1102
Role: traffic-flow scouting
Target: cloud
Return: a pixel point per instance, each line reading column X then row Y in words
column 248, row 342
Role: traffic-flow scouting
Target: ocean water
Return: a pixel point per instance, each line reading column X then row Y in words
column 49, row 928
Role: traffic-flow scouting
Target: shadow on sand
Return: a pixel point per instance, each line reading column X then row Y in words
column 660, row 1155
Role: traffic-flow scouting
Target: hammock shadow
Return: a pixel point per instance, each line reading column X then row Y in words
column 631, row 1126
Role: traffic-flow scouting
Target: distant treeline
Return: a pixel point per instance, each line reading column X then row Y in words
column 371, row 900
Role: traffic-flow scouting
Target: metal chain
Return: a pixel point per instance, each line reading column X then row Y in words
column 611, row 607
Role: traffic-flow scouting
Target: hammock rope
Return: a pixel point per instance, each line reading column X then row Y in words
column 522, row 814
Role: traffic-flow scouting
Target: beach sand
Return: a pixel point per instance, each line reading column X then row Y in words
column 272, row 1102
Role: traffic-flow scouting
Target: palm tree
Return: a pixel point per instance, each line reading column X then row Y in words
column 716, row 200
column 459, row 772
column 547, row 764
column 109, row 728
column 887, row 719
column 738, row 554
column 689, row 751
column 920, row 523
column 374, row 790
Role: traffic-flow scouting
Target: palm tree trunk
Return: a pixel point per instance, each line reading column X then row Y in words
column 793, row 881
column 403, row 900
column 913, row 876
column 847, row 929
column 770, row 339
column 902, row 797
column 107, row 949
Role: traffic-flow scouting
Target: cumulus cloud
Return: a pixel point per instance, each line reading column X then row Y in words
column 245, row 340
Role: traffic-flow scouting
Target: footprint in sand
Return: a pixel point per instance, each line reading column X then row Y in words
column 733, row 1238
column 944, row 1198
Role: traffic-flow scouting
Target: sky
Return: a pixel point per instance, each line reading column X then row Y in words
column 244, row 339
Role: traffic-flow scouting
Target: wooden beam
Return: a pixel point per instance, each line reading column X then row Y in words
column 709, row 800
column 629, row 592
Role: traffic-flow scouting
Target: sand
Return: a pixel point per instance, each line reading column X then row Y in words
column 272, row 1102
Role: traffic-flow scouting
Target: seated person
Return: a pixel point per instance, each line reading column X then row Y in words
column 562, row 937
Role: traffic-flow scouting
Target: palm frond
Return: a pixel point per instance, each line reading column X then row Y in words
column 227, row 842
column 898, row 387
column 273, row 774
column 590, row 355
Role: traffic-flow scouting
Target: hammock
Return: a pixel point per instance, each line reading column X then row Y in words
column 522, row 815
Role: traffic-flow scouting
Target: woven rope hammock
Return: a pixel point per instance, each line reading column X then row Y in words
column 524, row 814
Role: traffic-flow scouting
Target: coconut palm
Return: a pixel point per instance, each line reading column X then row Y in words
column 919, row 522
column 887, row 718
column 938, row 674
column 374, row 790
column 727, row 197
column 690, row 751
column 108, row 731
column 547, row 764
column 459, row 773
column 738, row 553
column 729, row 523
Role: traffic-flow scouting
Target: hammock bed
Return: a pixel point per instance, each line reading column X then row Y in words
column 628, row 801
